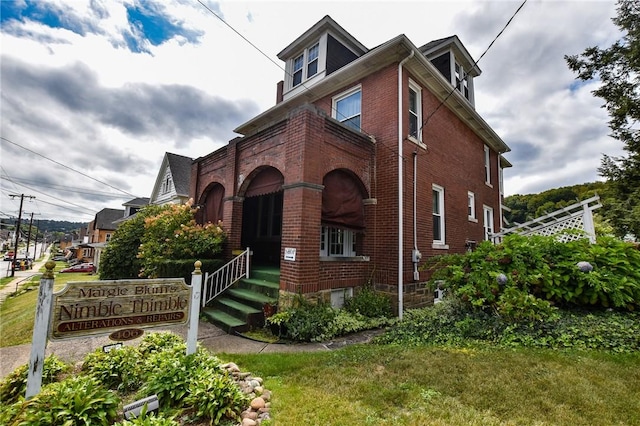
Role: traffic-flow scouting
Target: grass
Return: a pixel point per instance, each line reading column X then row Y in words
column 17, row 313
column 390, row 385
column 395, row 385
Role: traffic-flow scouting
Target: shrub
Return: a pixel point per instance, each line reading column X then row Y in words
column 369, row 303
column 78, row 400
column 457, row 324
column 118, row 369
column 160, row 342
column 215, row 395
column 148, row 419
column 14, row 386
column 523, row 277
column 310, row 322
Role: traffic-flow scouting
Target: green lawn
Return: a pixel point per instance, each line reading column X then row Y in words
column 390, row 385
column 18, row 313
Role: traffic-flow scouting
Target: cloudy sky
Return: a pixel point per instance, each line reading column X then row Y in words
column 95, row 92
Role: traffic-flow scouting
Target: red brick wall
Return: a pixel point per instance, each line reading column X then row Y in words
column 307, row 145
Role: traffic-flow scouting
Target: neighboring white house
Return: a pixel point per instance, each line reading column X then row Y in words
column 172, row 183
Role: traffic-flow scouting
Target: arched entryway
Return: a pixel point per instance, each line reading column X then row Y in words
column 262, row 216
column 210, row 206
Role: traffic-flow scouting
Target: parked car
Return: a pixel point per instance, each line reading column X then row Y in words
column 22, row 263
column 82, row 267
column 8, row 255
column 59, row 258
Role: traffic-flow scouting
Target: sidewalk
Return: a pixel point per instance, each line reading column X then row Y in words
column 211, row 337
column 21, row 277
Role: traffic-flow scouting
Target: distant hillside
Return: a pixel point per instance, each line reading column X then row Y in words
column 528, row 207
column 48, row 226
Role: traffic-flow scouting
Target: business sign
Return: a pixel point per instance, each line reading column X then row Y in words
column 290, row 253
column 118, row 307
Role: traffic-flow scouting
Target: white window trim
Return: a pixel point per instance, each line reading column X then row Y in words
column 441, row 243
column 305, row 64
column 348, row 243
column 471, row 202
column 487, row 166
column 487, row 209
column 341, row 96
column 416, row 88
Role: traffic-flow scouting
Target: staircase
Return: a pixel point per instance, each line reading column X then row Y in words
column 239, row 308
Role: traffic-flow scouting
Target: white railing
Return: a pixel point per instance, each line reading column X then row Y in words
column 578, row 216
column 225, row 277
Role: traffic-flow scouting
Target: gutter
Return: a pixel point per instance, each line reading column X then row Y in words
column 400, row 185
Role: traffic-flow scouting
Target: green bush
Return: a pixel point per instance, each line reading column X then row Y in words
column 455, row 323
column 118, row 369
column 148, row 419
column 78, row 400
column 369, row 303
column 160, row 342
column 14, row 386
column 523, row 277
column 311, row 322
column 215, row 395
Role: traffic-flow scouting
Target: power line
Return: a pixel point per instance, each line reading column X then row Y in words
column 67, row 167
column 475, row 63
column 76, row 190
column 302, row 84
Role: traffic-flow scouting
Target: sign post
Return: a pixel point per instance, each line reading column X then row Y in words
column 40, row 328
column 118, row 308
column 196, row 287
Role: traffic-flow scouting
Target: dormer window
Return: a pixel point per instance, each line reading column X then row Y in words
column 451, row 58
column 300, row 72
column 462, row 82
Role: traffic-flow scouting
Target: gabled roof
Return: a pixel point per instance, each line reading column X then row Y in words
column 105, row 219
column 137, row 202
column 390, row 52
column 180, row 167
column 435, row 48
column 313, row 33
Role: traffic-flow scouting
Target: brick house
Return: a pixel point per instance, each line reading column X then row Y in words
column 371, row 161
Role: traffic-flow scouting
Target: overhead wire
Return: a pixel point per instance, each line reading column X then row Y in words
column 67, row 167
column 475, row 63
column 425, row 122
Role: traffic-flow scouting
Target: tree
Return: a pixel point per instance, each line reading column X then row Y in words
column 155, row 234
column 173, row 233
column 120, row 258
column 618, row 69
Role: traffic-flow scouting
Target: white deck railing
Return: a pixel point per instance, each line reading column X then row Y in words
column 578, row 216
column 225, row 277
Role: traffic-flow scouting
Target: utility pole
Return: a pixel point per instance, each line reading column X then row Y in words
column 15, row 250
column 29, row 238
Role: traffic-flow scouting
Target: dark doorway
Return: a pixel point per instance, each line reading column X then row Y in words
column 262, row 227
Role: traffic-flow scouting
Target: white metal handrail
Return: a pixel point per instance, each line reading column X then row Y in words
column 225, row 277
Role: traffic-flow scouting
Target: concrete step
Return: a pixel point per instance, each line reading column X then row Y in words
column 226, row 322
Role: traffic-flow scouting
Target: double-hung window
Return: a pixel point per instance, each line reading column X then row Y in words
column 488, row 222
column 312, row 60
column 347, row 108
column 298, row 64
column 438, row 215
column 487, row 166
column 337, row 242
column 305, row 65
column 471, row 208
column 415, row 111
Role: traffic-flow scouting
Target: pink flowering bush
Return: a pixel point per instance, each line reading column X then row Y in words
column 174, row 234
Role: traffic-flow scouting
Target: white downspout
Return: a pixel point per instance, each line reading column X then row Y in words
column 415, row 256
column 400, row 187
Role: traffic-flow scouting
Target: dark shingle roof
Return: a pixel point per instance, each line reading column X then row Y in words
column 137, row 202
column 180, row 167
column 105, row 218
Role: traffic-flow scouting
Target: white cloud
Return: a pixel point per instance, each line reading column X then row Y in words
column 84, row 99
